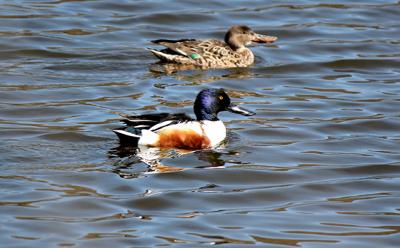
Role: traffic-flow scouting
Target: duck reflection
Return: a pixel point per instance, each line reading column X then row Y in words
column 134, row 161
column 197, row 75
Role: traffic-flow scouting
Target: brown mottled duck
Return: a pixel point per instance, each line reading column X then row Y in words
column 213, row 53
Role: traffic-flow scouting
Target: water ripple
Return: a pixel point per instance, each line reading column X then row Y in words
column 317, row 166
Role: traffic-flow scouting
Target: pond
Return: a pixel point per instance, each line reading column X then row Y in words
column 317, row 166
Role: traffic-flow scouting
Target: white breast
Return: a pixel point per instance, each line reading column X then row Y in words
column 215, row 131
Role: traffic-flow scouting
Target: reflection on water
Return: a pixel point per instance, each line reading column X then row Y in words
column 192, row 76
column 152, row 157
column 318, row 165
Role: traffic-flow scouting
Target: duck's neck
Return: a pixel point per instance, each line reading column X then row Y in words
column 234, row 43
column 204, row 115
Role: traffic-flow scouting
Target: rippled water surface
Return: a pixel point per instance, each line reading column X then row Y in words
column 318, row 166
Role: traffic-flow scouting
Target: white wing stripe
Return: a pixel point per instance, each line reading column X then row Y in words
column 140, row 120
column 181, row 52
column 160, row 125
column 141, row 126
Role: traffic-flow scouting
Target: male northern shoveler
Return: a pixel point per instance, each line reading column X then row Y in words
column 179, row 130
column 213, row 53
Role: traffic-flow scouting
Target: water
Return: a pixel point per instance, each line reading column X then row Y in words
column 318, row 166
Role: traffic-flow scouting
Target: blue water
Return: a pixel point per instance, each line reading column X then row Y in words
column 318, row 166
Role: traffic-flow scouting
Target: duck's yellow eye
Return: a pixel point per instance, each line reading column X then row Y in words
column 221, row 98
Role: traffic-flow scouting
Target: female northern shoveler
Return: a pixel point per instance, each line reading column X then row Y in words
column 179, row 130
column 213, row 53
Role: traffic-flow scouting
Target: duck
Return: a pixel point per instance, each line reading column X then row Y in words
column 212, row 53
column 178, row 130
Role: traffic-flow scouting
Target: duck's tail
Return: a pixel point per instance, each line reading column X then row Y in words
column 128, row 135
column 163, row 56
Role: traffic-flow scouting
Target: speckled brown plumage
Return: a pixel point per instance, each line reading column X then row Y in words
column 213, row 53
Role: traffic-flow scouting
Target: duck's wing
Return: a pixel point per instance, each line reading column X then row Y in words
column 177, row 47
column 149, row 121
column 132, row 131
column 190, row 48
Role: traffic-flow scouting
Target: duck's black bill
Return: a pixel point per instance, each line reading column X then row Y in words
column 238, row 110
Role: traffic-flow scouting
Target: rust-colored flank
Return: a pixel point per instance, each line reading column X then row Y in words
column 188, row 139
